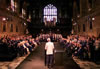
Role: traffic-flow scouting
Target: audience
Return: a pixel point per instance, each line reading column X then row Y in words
column 19, row 45
column 83, row 47
column 52, row 36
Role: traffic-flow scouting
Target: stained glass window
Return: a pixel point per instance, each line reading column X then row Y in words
column 50, row 13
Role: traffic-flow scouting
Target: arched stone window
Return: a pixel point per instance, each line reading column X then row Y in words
column 16, row 28
column 11, row 28
column 50, row 13
column 4, row 27
column 84, row 28
column 91, row 25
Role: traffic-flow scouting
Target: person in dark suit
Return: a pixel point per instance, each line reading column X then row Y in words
column 91, row 48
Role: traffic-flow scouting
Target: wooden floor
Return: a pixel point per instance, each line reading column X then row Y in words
column 36, row 59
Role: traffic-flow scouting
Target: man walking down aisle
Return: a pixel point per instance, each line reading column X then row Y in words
column 49, row 47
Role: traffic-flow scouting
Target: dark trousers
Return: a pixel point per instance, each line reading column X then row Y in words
column 49, row 60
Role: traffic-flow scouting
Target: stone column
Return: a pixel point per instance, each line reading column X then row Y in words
column 17, row 3
column 74, row 10
column 83, row 7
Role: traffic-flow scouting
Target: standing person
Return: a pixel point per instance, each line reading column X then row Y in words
column 91, row 48
column 49, row 47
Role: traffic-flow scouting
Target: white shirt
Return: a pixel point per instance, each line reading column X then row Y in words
column 49, row 47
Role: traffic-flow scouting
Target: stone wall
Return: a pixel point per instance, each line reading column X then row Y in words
column 92, row 16
column 18, row 24
column 95, row 31
column 11, row 20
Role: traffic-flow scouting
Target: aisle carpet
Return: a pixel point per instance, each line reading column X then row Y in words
column 36, row 59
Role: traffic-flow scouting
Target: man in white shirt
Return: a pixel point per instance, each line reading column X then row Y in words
column 49, row 47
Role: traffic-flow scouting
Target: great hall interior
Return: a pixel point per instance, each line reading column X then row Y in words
column 72, row 25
